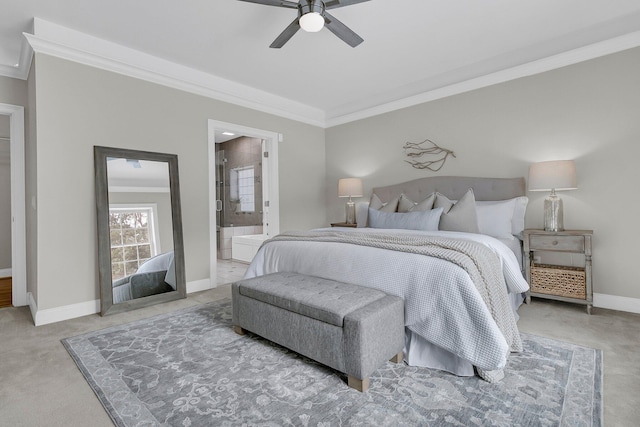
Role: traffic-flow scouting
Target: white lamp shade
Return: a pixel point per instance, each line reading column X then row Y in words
column 311, row 22
column 554, row 175
column 350, row 187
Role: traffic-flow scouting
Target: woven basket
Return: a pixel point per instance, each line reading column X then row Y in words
column 559, row 280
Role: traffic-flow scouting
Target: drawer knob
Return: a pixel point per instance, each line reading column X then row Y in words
column 554, row 243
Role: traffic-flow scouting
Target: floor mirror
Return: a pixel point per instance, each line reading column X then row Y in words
column 140, row 247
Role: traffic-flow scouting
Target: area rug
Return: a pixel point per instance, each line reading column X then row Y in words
column 189, row 368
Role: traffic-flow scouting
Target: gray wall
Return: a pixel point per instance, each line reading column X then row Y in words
column 31, row 190
column 79, row 107
column 588, row 112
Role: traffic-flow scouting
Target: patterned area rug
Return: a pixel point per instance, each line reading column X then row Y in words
column 188, row 368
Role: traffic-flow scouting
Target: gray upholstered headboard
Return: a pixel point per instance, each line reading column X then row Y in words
column 454, row 187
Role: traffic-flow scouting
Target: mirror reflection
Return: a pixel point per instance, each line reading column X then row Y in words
column 142, row 259
column 139, row 228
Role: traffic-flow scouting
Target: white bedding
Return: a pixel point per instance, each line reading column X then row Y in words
column 449, row 326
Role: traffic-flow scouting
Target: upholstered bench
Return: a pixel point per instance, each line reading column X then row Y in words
column 350, row 328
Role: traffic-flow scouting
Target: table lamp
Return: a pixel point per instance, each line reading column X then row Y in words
column 350, row 187
column 556, row 175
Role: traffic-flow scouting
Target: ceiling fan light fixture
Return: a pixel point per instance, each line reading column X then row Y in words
column 312, row 22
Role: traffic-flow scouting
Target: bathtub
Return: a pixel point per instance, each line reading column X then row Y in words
column 244, row 248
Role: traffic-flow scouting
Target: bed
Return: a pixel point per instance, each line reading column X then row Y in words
column 461, row 287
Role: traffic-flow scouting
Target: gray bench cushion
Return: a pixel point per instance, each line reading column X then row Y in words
column 321, row 299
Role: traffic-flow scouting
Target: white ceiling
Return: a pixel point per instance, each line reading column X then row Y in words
column 411, row 47
column 146, row 175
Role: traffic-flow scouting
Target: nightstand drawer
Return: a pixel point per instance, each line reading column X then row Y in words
column 555, row 243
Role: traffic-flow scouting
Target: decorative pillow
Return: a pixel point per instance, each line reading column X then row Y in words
column 494, row 218
column 518, row 207
column 405, row 204
column 376, row 203
column 419, row 220
column 162, row 262
column 460, row 216
column 362, row 214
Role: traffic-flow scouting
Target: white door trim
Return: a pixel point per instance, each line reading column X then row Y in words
column 18, row 208
column 270, row 183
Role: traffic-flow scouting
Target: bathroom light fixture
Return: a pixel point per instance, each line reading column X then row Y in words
column 350, row 187
column 553, row 176
column 228, row 133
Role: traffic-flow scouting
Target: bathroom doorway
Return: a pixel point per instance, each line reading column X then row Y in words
column 243, row 191
column 239, row 201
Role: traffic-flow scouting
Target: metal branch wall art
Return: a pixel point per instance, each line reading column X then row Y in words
column 427, row 147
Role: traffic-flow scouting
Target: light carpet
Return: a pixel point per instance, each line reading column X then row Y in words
column 188, row 368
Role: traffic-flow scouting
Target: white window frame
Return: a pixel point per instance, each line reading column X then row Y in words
column 246, row 199
column 154, row 233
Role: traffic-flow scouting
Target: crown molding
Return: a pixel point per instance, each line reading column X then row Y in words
column 65, row 43
column 62, row 42
column 21, row 70
column 560, row 60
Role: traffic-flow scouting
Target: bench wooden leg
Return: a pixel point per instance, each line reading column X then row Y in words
column 360, row 385
column 398, row 358
column 238, row 330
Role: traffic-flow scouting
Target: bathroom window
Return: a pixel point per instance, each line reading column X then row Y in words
column 133, row 238
column 242, row 188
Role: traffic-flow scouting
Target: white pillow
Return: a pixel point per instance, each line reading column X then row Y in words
column 494, row 218
column 421, row 220
column 514, row 208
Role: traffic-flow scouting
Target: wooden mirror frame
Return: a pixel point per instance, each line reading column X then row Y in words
column 104, row 239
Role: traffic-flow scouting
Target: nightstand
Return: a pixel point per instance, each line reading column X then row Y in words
column 559, row 282
column 343, row 224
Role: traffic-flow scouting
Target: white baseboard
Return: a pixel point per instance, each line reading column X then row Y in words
column 5, row 272
column 614, row 302
column 58, row 314
column 66, row 312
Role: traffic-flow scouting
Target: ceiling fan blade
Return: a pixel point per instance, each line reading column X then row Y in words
column 332, row 4
column 342, row 31
column 286, row 34
column 279, row 3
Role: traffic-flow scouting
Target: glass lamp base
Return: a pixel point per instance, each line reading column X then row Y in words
column 350, row 210
column 553, row 213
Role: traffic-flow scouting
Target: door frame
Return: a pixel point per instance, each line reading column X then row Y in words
column 270, row 186
column 18, row 203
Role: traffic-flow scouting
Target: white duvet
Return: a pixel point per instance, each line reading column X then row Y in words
column 442, row 305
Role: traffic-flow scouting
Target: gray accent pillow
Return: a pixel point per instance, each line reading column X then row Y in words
column 405, row 204
column 460, row 216
column 419, row 220
column 377, row 204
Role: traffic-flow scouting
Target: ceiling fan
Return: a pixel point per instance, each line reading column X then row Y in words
column 312, row 17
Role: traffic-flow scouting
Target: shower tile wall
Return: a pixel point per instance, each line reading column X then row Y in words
column 240, row 153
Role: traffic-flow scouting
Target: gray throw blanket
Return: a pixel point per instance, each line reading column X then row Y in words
column 482, row 265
